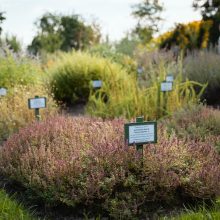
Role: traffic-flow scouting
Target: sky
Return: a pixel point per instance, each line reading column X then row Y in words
column 114, row 16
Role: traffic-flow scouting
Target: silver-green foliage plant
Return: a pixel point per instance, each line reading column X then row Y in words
column 204, row 67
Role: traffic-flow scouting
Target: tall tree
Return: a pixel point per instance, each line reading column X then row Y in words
column 63, row 32
column 148, row 13
column 210, row 10
column 2, row 18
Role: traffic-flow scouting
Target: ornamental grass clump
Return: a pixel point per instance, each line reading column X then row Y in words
column 71, row 75
column 84, row 163
column 18, row 69
column 143, row 96
column 14, row 108
column 203, row 67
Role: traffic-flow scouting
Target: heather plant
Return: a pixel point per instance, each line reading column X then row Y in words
column 197, row 123
column 14, row 108
column 203, row 67
column 84, row 162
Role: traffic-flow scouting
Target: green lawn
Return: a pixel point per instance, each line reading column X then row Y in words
column 12, row 210
column 200, row 216
column 202, row 213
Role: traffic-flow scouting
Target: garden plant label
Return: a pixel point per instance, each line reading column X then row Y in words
column 166, row 86
column 37, row 103
column 141, row 133
column 97, row 84
column 3, row 92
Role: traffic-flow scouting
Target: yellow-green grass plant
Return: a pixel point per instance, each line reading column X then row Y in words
column 71, row 75
column 129, row 99
column 18, row 69
column 11, row 209
column 202, row 213
column 14, row 108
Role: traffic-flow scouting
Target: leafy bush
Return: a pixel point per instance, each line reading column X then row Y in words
column 83, row 162
column 72, row 74
column 204, row 67
column 14, row 108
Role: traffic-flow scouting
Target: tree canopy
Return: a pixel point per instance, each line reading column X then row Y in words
column 194, row 35
column 63, row 32
column 2, row 18
column 148, row 13
column 210, row 10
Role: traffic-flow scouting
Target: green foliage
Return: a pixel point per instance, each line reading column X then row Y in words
column 63, row 32
column 203, row 212
column 72, row 73
column 148, row 14
column 11, row 210
column 12, row 43
column 194, row 35
column 116, row 54
column 128, row 44
column 17, row 69
column 203, row 67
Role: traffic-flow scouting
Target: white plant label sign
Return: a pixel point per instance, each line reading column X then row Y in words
column 97, row 84
column 169, row 78
column 166, row 86
column 37, row 103
column 140, row 70
column 141, row 134
column 3, row 92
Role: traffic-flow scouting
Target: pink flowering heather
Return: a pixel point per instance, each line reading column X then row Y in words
column 84, row 161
